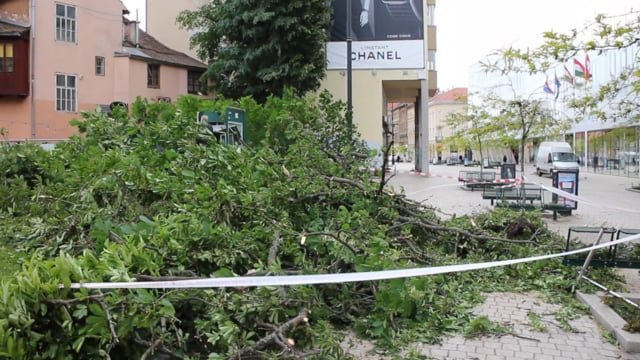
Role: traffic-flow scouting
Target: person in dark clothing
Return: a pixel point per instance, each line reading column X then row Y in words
column 595, row 163
column 504, row 159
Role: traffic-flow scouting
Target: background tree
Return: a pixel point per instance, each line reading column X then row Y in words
column 472, row 129
column 258, row 48
column 620, row 97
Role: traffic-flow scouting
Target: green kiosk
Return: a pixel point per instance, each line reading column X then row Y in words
column 228, row 129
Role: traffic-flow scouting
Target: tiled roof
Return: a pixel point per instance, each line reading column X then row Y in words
column 453, row 95
column 151, row 49
column 9, row 29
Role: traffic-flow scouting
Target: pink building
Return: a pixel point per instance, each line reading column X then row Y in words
column 59, row 59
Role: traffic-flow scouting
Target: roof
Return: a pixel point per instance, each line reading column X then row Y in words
column 455, row 95
column 149, row 48
column 8, row 28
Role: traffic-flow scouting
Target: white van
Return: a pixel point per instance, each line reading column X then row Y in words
column 554, row 155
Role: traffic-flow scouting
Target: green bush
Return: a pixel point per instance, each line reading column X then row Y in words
column 138, row 197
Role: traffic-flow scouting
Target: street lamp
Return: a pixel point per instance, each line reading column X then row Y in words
column 349, row 75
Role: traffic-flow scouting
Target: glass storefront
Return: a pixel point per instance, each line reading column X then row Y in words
column 611, row 151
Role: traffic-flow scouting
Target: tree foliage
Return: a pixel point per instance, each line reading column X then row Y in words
column 618, row 98
column 473, row 129
column 138, row 197
column 258, row 48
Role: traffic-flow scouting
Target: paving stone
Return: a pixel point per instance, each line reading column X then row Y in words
column 543, row 357
column 439, row 353
column 532, row 349
column 458, row 355
column 449, row 346
column 509, row 340
column 507, row 354
column 494, row 357
column 485, row 351
column 524, row 355
column 511, row 347
column 456, row 340
column 605, row 352
column 570, row 355
column 553, row 352
column 547, row 345
column 467, row 348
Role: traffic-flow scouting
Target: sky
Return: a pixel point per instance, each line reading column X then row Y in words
column 468, row 30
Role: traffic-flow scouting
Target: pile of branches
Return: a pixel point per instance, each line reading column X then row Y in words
column 151, row 196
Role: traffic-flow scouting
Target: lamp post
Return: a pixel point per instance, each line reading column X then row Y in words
column 349, row 75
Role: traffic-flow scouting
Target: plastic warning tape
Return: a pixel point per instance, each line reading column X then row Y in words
column 260, row 281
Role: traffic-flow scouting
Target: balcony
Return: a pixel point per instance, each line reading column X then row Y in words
column 14, row 60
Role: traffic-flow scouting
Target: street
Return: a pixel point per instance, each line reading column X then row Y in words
column 609, row 202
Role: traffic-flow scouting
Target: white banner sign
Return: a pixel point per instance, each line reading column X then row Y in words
column 399, row 54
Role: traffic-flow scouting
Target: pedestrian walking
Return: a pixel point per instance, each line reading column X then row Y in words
column 595, row 163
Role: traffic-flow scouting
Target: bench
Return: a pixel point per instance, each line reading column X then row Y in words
column 603, row 258
column 477, row 179
column 514, row 196
column 492, row 164
column 476, row 176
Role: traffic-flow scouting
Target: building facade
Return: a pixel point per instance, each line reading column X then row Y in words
column 60, row 59
column 441, row 106
column 615, row 142
column 374, row 86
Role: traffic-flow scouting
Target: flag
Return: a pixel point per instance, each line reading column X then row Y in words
column 580, row 69
column 557, row 81
column 546, row 88
column 587, row 63
column 569, row 76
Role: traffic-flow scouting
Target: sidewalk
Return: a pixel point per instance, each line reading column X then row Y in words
column 586, row 341
column 543, row 340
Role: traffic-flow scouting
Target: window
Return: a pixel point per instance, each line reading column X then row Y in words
column 431, row 60
column 100, row 65
column 66, row 100
column 65, row 23
column 195, row 83
column 153, row 76
column 6, row 57
column 430, row 15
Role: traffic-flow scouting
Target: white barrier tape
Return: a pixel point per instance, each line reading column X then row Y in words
column 259, row 281
column 583, row 200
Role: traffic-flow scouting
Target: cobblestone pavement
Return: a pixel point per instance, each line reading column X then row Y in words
column 547, row 342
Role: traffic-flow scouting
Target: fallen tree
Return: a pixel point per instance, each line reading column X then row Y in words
column 136, row 198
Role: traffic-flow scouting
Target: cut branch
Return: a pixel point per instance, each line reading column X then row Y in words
column 67, row 302
column 465, row 232
column 273, row 250
column 141, row 277
column 276, row 337
column 345, row 181
column 334, row 236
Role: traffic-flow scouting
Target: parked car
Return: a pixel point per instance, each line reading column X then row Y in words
column 454, row 160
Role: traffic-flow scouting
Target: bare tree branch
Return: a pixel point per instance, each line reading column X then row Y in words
column 276, row 337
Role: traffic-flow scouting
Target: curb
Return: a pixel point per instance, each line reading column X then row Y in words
column 611, row 321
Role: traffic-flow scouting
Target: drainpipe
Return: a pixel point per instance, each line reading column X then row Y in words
column 32, row 75
column 137, row 29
